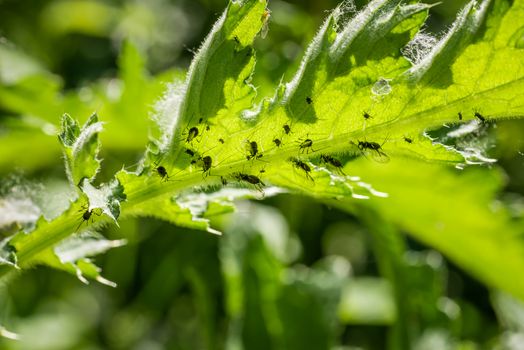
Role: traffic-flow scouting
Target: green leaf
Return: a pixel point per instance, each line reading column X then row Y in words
column 456, row 214
column 72, row 256
column 353, row 123
column 81, row 148
column 265, row 298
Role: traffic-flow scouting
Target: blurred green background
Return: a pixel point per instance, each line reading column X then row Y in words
column 288, row 273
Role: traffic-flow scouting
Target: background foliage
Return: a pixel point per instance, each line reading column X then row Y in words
column 288, row 273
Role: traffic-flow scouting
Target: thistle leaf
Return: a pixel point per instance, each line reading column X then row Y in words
column 366, row 98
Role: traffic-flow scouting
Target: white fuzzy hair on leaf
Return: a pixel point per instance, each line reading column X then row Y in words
column 167, row 112
column 343, row 13
column 467, row 23
column 418, row 48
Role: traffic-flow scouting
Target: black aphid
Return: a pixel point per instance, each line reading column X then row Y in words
column 204, row 162
column 480, row 117
column 221, row 141
column 207, row 162
column 327, row 159
column 362, row 145
column 408, row 140
column 192, row 134
column 297, row 163
column 460, row 115
column 287, row 129
column 251, row 179
column 366, row 115
column 277, row 142
column 380, row 156
column 86, row 215
column 306, row 145
column 162, row 172
column 189, row 152
column 309, row 100
column 253, row 151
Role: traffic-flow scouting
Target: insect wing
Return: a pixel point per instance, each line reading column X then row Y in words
column 377, row 155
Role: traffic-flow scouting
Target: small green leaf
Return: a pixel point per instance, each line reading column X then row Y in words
column 70, row 131
column 81, row 148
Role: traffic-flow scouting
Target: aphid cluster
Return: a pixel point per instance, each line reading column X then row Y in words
column 286, row 131
column 477, row 115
